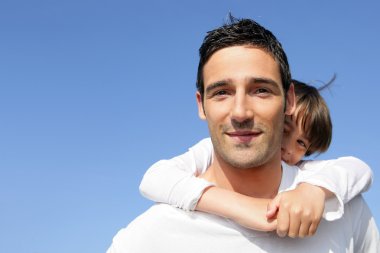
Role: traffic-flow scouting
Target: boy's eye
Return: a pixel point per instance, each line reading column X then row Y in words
column 302, row 144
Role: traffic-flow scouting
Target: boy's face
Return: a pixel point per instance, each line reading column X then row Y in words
column 294, row 142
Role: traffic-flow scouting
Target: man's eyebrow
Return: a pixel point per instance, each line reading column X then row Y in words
column 255, row 80
column 216, row 85
column 251, row 80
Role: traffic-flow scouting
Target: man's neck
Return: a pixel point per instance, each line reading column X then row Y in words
column 259, row 182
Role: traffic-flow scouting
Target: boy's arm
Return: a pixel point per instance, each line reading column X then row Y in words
column 299, row 211
column 174, row 181
column 248, row 212
column 345, row 177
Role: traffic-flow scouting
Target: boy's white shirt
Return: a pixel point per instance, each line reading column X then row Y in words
column 175, row 181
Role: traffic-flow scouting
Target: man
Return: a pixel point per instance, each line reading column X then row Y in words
column 244, row 93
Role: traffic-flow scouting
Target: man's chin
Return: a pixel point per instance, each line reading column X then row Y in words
column 244, row 160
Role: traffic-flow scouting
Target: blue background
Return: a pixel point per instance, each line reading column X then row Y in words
column 94, row 92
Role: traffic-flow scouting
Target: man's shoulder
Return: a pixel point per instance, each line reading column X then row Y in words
column 358, row 212
column 357, row 207
column 164, row 228
column 164, row 217
column 155, row 215
column 359, row 219
column 143, row 230
column 160, row 218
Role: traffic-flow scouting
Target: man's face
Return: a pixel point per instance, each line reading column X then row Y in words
column 244, row 105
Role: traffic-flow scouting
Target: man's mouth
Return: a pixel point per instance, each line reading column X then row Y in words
column 244, row 136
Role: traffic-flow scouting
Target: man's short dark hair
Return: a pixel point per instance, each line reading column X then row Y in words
column 237, row 32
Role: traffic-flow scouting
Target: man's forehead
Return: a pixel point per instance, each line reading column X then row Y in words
column 241, row 63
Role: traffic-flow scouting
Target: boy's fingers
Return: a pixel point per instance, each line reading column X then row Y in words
column 304, row 229
column 273, row 207
column 313, row 227
column 282, row 222
column 294, row 223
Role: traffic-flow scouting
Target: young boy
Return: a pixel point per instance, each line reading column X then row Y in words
column 180, row 180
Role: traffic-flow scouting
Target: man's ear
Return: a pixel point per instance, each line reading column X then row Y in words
column 290, row 101
column 201, row 112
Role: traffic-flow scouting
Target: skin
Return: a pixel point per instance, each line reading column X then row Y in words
column 294, row 142
column 244, row 105
column 300, row 213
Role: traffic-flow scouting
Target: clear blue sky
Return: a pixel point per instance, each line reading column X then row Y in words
column 94, row 92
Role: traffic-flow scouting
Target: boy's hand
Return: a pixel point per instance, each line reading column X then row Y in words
column 299, row 211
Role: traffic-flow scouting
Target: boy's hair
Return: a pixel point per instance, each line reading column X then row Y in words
column 314, row 116
column 239, row 32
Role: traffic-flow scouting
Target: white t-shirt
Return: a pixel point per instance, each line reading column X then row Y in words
column 164, row 228
column 174, row 181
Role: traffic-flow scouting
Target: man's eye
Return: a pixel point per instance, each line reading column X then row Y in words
column 220, row 93
column 262, row 90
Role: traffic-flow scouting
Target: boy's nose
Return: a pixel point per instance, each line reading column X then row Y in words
column 285, row 154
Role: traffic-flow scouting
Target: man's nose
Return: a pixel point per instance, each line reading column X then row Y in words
column 241, row 110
